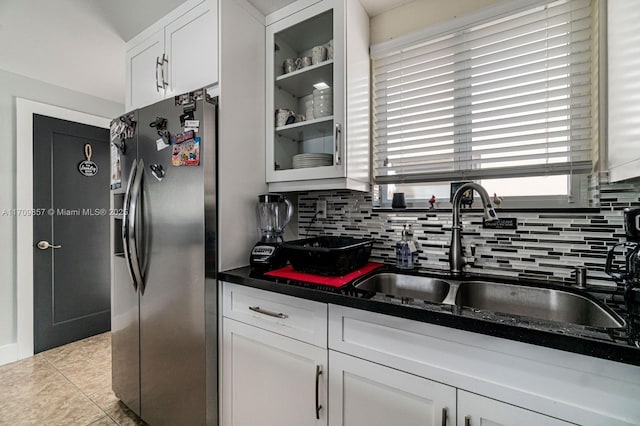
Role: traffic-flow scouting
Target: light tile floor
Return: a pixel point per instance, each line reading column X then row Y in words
column 68, row 385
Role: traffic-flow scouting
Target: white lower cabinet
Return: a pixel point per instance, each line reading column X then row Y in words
column 498, row 381
column 362, row 393
column 271, row 380
column 476, row 410
column 279, row 367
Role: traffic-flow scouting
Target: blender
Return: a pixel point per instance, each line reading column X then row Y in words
column 274, row 213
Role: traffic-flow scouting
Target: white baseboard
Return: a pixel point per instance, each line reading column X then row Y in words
column 8, row 353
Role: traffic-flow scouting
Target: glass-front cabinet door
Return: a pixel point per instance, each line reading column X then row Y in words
column 305, row 95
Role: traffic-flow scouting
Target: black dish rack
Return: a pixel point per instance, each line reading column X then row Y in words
column 328, row 255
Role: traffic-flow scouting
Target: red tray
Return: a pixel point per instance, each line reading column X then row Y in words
column 289, row 273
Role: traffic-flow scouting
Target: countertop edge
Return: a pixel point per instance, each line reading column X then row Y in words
column 567, row 343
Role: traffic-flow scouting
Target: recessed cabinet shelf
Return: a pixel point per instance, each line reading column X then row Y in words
column 300, row 83
column 317, row 128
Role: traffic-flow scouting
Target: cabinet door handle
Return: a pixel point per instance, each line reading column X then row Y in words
column 157, row 64
column 165, row 60
column 318, row 406
column 444, row 416
column 160, row 63
column 259, row 310
column 338, row 143
column 467, row 420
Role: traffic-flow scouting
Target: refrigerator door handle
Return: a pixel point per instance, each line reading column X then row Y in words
column 134, row 210
column 126, row 218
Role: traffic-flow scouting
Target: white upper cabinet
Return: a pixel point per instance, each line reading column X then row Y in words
column 141, row 67
column 318, row 98
column 191, row 44
column 177, row 54
column 624, row 92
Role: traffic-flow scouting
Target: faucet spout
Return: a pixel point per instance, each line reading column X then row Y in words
column 456, row 258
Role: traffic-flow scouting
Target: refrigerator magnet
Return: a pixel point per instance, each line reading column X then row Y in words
column 157, row 171
column 116, row 170
column 186, row 153
column 161, row 144
column 193, row 125
column 183, row 137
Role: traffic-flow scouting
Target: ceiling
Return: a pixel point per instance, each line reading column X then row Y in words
column 373, row 7
column 80, row 44
column 129, row 17
column 75, row 44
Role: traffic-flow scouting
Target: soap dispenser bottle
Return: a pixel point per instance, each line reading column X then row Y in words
column 406, row 250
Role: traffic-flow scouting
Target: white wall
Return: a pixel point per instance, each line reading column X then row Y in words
column 416, row 15
column 241, row 148
column 12, row 86
column 62, row 42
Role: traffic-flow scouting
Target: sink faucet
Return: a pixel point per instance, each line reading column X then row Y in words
column 456, row 259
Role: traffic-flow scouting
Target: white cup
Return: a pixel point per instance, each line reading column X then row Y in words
column 318, row 54
column 289, row 65
column 330, row 50
column 281, row 116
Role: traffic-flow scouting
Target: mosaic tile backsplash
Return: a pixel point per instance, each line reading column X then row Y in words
column 545, row 246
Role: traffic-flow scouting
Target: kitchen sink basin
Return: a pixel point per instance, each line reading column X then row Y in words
column 401, row 285
column 537, row 302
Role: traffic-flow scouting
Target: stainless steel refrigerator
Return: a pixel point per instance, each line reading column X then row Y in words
column 164, row 326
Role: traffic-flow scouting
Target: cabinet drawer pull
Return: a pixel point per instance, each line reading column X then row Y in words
column 318, row 406
column 259, row 310
column 444, row 416
column 467, row 420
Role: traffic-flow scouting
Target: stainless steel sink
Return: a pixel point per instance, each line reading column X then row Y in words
column 537, row 302
column 416, row 287
column 548, row 303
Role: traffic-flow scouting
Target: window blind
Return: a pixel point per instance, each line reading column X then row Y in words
column 507, row 97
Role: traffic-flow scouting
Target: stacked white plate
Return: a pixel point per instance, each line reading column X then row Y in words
column 312, row 160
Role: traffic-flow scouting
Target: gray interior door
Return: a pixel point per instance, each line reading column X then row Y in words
column 72, row 282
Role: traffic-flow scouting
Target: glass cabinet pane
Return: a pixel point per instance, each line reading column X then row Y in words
column 303, row 107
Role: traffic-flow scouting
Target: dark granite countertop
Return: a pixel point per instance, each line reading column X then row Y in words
column 619, row 345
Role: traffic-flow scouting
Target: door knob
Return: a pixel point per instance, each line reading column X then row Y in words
column 43, row 245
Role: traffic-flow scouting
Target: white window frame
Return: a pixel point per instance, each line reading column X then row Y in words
column 578, row 196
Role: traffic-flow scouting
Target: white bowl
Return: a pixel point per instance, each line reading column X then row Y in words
column 322, row 97
column 319, row 92
column 317, row 113
column 323, row 105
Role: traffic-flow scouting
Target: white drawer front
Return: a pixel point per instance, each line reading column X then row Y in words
column 299, row 319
